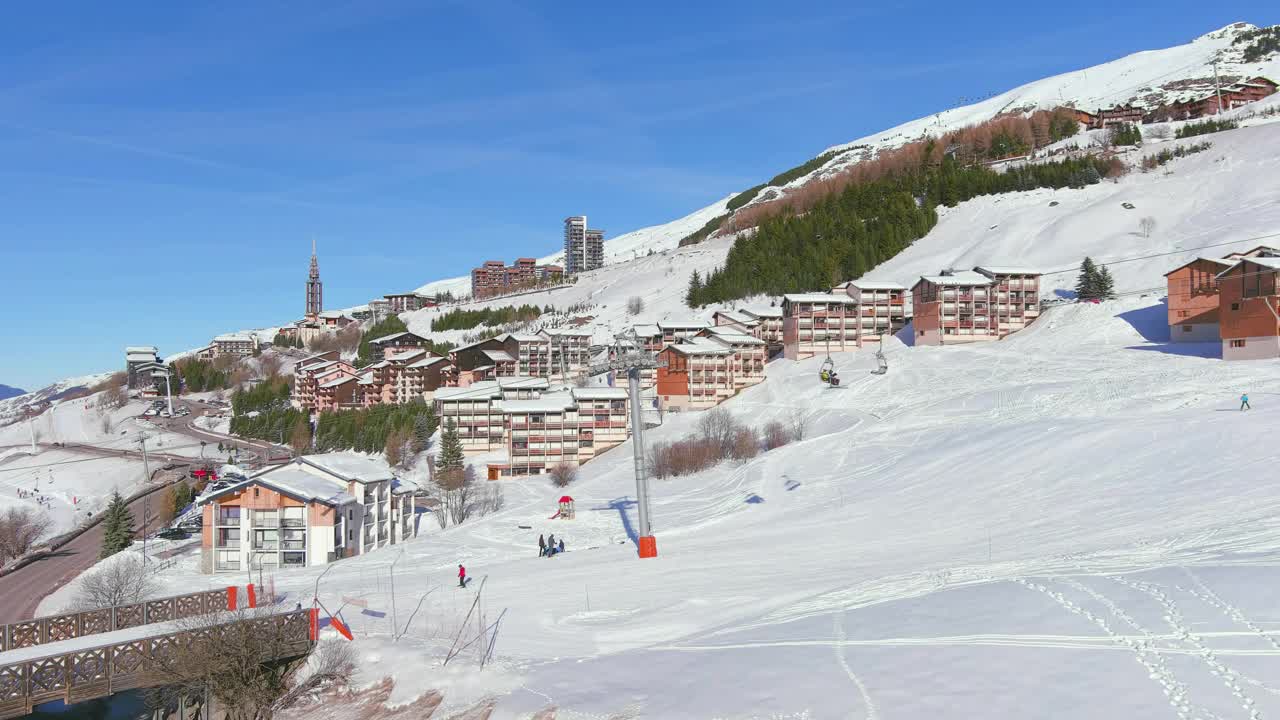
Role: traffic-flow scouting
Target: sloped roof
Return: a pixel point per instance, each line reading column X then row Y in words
column 960, row 279
column 1006, row 270
column 349, row 466
column 296, row 483
column 600, row 393
column 877, row 285
column 1193, row 261
column 558, row 402
column 819, row 298
column 339, row 381
column 396, row 336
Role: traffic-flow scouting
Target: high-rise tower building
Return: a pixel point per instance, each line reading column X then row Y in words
column 583, row 246
column 315, row 289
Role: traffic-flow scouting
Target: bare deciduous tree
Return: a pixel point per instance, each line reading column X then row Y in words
column 776, row 435
column 1147, row 225
column 799, row 424
column 333, row 661
column 746, row 444
column 454, row 491
column 269, row 364
column 635, row 305
column 717, row 427
column 563, row 475
column 20, row 529
column 241, row 662
column 120, row 580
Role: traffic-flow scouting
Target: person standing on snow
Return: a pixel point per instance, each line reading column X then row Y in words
column 542, row 546
column 462, row 576
column 551, row 545
column 561, row 548
column 1244, row 402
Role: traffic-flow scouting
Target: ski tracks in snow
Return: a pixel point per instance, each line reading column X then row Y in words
column 1174, row 619
column 837, row 625
column 1174, row 690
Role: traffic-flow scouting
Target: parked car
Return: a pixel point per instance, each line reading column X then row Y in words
column 173, row 534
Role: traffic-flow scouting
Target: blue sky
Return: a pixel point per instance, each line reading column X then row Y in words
column 164, row 166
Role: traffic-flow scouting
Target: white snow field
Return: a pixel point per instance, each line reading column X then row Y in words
column 75, row 483
column 1074, row 522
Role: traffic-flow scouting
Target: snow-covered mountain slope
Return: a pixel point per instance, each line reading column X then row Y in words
column 1075, row 517
column 1223, row 196
column 7, row 391
column 1146, row 79
column 13, row 408
column 623, row 247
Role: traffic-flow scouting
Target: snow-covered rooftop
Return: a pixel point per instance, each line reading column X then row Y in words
column 338, row 381
column 293, row 481
column 1007, row 270
column 498, row 355
column 428, row 362
column 557, row 402
column 600, row 393
column 964, row 278
column 820, row 298
column 737, row 339
column 350, row 466
column 234, row 337
column 486, row 389
column 404, row 355
column 647, row 330
column 150, row 349
column 877, row 285
column 683, row 324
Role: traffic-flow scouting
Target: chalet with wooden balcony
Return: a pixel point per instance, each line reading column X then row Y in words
column 1249, row 309
column 695, row 374
column 311, row 511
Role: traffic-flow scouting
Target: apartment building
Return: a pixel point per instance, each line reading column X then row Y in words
column 473, row 409
column 1014, row 296
column 818, row 324
column 583, row 246
column 561, row 428
column 334, row 320
column 532, row 353
column 881, row 307
column 737, row 321
column 310, row 511
column 695, row 374
column 308, row 374
column 482, row 360
column 674, row 330
column 570, row 352
column 379, row 347
column 1193, row 300
column 750, row 354
column 770, row 319
column 237, row 344
column 1249, row 309
column 138, row 356
column 408, row 302
column 977, row 305
column 493, row 278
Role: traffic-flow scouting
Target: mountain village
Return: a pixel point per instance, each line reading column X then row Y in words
column 988, row 422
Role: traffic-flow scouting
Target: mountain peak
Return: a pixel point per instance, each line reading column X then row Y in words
column 1227, row 31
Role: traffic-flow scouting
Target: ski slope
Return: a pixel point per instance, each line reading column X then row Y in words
column 1075, row 518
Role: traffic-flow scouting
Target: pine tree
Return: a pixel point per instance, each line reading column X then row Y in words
column 117, row 524
column 451, row 457
column 424, row 426
column 1106, row 285
column 1087, row 281
column 693, row 298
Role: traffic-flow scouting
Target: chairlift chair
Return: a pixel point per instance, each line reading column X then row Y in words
column 882, row 364
column 828, row 367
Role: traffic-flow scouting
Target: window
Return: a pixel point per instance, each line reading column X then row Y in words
column 1186, row 328
column 1235, row 306
column 1184, row 313
column 1237, row 343
column 921, row 333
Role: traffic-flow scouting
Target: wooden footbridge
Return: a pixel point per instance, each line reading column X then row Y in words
column 97, row 653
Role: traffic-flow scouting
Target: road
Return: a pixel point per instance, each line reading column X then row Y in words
column 23, row 589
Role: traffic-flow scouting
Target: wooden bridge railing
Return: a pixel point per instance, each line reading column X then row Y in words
column 94, row 672
column 53, row 628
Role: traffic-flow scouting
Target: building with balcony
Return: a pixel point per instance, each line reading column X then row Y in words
column 561, row 428
column 473, row 409
column 583, row 246
column 977, row 305
column 408, row 302
column 736, row 321
column 770, row 319
column 695, row 374
column 750, row 354
column 1014, row 296
column 570, row 354
column 1249, row 309
column 881, row 308
column 818, row 324
column 379, row 347
column 135, row 357
column 309, row 372
column 1193, row 300
column 237, row 344
column 311, row 511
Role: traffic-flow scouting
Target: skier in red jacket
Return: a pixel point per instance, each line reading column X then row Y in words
column 462, row 576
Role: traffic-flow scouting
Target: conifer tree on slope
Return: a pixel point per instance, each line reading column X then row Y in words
column 117, row 523
column 451, row 455
column 1087, row 281
column 424, row 425
column 1106, row 284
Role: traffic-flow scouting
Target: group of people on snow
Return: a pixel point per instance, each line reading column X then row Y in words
column 549, row 546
